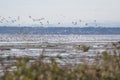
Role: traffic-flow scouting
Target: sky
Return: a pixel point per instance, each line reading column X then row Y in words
column 64, row 11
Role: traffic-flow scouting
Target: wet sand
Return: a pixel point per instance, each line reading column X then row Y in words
column 65, row 50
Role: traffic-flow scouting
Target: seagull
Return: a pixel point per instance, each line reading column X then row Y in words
column 30, row 17
column 86, row 24
column 80, row 20
column 94, row 20
column 33, row 20
column 47, row 22
column 12, row 21
column 9, row 17
column 75, row 23
column 41, row 23
column 72, row 22
column 58, row 22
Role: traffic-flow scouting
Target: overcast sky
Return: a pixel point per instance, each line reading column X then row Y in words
column 101, row 10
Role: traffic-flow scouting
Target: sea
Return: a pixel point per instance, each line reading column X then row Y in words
column 61, row 30
column 59, row 34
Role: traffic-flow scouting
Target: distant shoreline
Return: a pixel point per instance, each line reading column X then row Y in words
column 61, row 30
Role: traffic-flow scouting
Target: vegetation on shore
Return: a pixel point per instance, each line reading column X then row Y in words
column 108, row 69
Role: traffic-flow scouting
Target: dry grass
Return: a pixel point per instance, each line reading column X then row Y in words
column 109, row 69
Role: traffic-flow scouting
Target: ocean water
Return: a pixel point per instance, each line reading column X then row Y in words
column 59, row 34
column 61, row 30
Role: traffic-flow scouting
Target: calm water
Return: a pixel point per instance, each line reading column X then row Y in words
column 61, row 30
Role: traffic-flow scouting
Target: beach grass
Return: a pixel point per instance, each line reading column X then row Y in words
column 108, row 69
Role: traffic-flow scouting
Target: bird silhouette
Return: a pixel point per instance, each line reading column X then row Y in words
column 86, row 24
column 80, row 20
column 47, row 22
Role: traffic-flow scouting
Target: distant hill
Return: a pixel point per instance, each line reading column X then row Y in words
column 60, row 30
